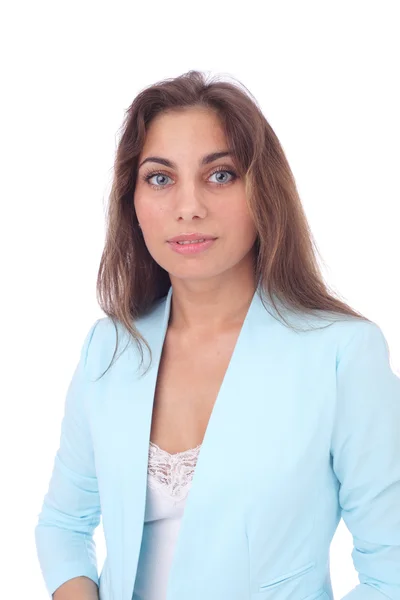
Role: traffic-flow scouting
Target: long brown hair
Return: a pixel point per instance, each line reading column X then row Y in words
column 130, row 281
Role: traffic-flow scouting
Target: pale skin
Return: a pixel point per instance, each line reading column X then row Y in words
column 212, row 290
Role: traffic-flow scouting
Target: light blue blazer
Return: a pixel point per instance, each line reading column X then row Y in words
column 305, row 430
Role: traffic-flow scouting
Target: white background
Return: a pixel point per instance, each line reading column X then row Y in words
column 326, row 76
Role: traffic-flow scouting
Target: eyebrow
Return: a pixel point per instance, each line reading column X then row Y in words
column 206, row 160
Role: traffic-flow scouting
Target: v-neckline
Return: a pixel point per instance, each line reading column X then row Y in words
column 173, row 454
column 217, row 401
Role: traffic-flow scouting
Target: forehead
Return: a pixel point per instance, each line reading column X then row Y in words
column 190, row 130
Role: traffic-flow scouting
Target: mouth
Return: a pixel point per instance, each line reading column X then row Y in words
column 189, row 247
column 191, row 241
column 195, row 236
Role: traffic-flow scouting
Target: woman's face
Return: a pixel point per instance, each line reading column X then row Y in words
column 188, row 196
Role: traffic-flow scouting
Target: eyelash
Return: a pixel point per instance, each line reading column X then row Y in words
column 147, row 176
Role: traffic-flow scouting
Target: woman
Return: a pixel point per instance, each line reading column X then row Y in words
column 266, row 396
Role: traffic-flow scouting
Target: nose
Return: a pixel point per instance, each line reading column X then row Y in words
column 189, row 202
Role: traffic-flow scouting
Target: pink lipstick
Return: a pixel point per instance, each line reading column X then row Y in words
column 191, row 243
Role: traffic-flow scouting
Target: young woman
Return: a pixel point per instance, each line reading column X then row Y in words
column 249, row 409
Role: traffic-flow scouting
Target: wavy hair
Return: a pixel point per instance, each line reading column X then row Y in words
column 129, row 281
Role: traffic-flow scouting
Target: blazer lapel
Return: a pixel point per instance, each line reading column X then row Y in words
column 130, row 397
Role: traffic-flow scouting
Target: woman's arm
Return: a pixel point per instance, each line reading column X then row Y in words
column 78, row 588
column 366, row 459
column 71, row 507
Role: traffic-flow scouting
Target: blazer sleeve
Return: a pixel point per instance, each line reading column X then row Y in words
column 366, row 460
column 71, row 506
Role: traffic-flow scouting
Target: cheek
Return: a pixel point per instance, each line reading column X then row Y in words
column 149, row 216
column 238, row 224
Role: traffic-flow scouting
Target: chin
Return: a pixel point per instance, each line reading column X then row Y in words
column 200, row 273
column 193, row 276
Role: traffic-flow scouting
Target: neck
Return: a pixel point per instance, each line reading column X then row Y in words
column 210, row 305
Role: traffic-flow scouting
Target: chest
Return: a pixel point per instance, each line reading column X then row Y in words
column 190, row 375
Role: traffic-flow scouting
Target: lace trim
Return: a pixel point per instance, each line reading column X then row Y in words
column 171, row 474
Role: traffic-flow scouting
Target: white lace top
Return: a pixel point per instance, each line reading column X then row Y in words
column 168, row 482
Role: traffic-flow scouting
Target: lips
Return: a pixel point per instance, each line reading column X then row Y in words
column 190, row 241
column 192, row 237
column 192, row 247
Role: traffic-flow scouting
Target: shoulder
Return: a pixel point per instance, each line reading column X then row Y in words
column 357, row 338
column 101, row 340
column 358, row 353
column 358, row 345
column 105, row 330
column 347, row 331
column 361, row 342
column 336, row 334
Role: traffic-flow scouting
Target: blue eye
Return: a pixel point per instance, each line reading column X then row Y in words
column 157, row 186
column 151, row 175
column 233, row 175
